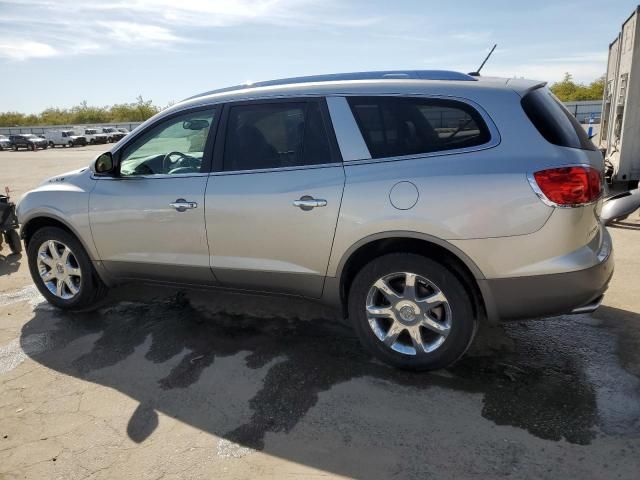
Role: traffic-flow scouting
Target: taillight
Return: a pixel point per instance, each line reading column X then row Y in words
column 569, row 186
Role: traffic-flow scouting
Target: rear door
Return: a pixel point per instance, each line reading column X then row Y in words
column 273, row 201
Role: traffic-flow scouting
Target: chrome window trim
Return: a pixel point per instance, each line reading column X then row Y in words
column 494, row 134
column 159, row 176
column 277, row 169
column 494, row 141
column 540, row 194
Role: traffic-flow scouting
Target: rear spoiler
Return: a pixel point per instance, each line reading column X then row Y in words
column 522, row 86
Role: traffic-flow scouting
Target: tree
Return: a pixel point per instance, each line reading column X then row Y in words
column 138, row 111
column 569, row 91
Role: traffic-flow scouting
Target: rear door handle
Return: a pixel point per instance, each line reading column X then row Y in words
column 182, row 205
column 308, row 203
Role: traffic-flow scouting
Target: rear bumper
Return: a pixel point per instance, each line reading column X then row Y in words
column 548, row 295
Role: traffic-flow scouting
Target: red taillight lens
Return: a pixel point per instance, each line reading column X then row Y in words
column 570, row 185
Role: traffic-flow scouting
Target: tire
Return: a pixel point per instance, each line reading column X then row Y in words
column 51, row 144
column 92, row 141
column 13, row 240
column 14, row 148
column 451, row 324
column 90, row 289
column 70, row 144
column 32, row 147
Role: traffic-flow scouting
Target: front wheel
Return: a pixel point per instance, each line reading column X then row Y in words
column 411, row 312
column 62, row 270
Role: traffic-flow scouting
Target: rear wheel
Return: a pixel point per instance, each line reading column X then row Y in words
column 32, row 147
column 411, row 312
column 70, row 144
column 62, row 270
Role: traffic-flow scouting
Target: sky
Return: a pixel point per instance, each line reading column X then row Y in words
column 59, row 53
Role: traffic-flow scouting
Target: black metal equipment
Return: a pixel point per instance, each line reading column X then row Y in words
column 9, row 224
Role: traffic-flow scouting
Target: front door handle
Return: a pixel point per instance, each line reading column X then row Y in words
column 308, row 203
column 182, row 205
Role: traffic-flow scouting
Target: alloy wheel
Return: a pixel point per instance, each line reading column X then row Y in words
column 408, row 313
column 59, row 269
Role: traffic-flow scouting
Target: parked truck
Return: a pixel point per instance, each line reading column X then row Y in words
column 65, row 138
column 94, row 135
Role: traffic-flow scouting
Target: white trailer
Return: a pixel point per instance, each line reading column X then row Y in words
column 620, row 130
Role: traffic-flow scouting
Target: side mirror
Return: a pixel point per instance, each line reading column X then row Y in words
column 104, row 164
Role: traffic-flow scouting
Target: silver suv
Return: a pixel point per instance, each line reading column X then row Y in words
column 417, row 203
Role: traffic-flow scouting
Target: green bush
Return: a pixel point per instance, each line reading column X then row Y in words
column 569, row 91
column 137, row 111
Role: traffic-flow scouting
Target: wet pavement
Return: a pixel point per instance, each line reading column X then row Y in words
column 300, row 389
column 162, row 383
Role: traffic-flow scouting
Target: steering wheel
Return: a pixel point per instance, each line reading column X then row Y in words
column 169, row 164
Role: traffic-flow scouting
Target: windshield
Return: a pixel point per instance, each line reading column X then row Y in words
column 90, row 132
column 29, row 135
column 2, row 137
column 109, row 130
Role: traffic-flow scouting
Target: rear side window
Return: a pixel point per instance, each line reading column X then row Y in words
column 397, row 126
column 554, row 122
column 275, row 135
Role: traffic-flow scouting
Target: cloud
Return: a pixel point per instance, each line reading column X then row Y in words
column 17, row 49
column 130, row 33
column 143, row 24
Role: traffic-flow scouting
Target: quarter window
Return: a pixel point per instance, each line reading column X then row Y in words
column 275, row 135
column 174, row 146
column 398, row 126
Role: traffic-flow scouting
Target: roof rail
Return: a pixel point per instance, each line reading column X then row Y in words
column 334, row 77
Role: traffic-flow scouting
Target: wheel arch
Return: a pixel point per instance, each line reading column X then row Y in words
column 39, row 221
column 368, row 248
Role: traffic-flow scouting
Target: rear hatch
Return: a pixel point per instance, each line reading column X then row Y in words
column 574, row 186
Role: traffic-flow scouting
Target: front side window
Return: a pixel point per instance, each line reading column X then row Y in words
column 275, row 135
column 174, row 146
column 398, row 126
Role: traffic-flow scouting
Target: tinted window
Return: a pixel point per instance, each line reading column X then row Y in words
column 173, row 146
column 397, row 126
column 275, row 135
column 554, row 122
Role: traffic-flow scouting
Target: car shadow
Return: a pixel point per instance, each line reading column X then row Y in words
column 264, row 381
column 9, row 263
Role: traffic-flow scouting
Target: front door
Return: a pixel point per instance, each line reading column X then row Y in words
column 148, row 222
column 272, row 206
